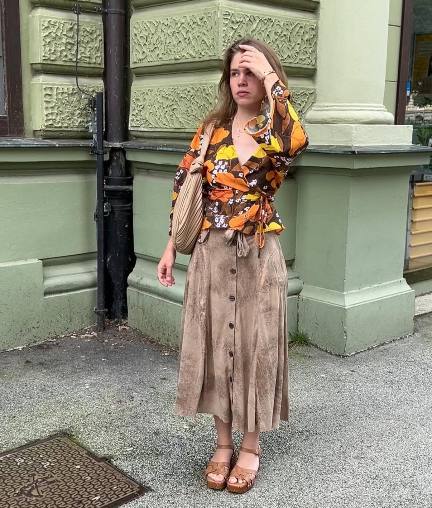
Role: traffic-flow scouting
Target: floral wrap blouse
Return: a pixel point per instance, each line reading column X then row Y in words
column 240, row 197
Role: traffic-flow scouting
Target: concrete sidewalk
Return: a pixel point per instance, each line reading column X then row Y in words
column 360, row 430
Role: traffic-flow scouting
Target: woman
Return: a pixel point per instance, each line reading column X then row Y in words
column 234, row 353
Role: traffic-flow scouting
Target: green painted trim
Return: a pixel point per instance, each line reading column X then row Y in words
column 61, row 134
column 154, row 159
column 142, row 69
column 86, row 5
column 69, row 273
column 31, row 155
column 307, row 5
column 67, row 69
column 355, row 297
column 323, row 161
column 143, row 278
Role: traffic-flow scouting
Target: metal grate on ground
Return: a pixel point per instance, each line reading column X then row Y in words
column 57, row 472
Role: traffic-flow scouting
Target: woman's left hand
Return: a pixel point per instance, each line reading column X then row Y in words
column 253, row 59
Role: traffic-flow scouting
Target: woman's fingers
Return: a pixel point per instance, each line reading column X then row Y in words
column 169, row 276
column 164, row 275
column 161, row 274
column 248, row 47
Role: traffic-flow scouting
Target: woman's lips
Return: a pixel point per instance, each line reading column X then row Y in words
column 242, row 94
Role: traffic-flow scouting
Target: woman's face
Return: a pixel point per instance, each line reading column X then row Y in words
column 246, row 89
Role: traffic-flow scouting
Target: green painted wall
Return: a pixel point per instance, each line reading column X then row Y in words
column 47, row 233
column 47, row 191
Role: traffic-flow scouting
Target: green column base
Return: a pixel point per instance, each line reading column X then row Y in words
column 346, row 323
column 28, row 316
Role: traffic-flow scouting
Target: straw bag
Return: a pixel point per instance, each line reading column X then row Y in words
column 188, row 211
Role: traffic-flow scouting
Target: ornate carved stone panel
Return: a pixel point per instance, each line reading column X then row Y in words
column 293, row 39
column 181, row 107
column 54, row 40
column 202, row 35
column 172, row 107
column 179, row 38
column 62, row 106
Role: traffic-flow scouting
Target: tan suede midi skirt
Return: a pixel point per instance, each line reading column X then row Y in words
column 233, row 342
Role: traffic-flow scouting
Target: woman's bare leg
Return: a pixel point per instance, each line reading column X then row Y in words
column 224, row 436
column 246, row 459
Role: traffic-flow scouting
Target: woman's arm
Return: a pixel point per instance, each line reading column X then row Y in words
column 277, row 128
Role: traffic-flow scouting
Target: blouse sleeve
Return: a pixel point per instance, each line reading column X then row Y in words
column 182, row 169
column 278, row 130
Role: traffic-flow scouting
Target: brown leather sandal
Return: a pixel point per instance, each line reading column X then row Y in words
column 222, row 468
column 246, row 476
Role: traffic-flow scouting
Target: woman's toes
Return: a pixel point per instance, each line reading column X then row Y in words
column 233, row 479
column 216, row 477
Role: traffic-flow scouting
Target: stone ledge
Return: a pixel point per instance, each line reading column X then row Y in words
column 307, row 5
column 86, row 5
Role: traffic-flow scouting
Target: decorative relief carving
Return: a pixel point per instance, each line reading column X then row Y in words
column 183, row 106
column 302, row 99
column 195, row 36
column 176, row 107
column 63, row 107
column 293, row 39
column 176, row 38
column 58, row 42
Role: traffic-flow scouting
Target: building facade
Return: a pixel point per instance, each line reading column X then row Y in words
column 346, row 211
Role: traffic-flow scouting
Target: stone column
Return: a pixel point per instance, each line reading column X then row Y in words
column 352, row 53
column 353, row 189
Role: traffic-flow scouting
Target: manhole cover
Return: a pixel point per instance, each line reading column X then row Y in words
column 57, row 472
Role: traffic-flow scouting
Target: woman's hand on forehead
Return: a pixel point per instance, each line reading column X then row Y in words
column 255, row 60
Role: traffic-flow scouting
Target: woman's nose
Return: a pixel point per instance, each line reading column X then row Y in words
column 242, row 78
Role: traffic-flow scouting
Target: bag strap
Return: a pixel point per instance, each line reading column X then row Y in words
column 205, row 142
column 198, row 162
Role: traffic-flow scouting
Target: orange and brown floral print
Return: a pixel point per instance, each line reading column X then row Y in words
column 240, row 196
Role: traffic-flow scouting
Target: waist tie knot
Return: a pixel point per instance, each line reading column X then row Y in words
column 233, row 235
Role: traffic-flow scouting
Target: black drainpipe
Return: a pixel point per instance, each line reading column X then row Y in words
column 120, row 257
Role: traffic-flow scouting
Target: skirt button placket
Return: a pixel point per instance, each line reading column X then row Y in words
column 232, row 295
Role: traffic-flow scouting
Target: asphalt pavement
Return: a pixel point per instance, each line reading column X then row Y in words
column 359, row 434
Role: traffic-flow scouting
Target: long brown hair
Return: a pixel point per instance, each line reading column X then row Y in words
column 226, row 107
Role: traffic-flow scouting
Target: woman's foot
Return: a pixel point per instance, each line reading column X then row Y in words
column 242, row 476
column 221, row 455
column 224, row 437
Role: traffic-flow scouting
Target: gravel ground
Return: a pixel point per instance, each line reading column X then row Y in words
column 359, row 433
